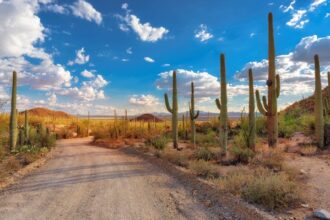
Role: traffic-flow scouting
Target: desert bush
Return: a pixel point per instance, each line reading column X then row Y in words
column 272, row 160
column 158, row 142
column 206, row 140
column 12, row 164
column 176, row 158
column 205, row 128
column 242, row 154
column 308, row 123
column 274, row 191
column 204, row 169
column 261, row 126
column 203, row 153
column 308, row 150
column 236, row 181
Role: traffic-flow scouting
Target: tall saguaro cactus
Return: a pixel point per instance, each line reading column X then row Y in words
column 193, row 115
column 26, row 127
column 318, row 107
column 326, row 100
column 173, row 111
column 270, row 109
column 222, row 105
column 252, row 116
column 13, row 115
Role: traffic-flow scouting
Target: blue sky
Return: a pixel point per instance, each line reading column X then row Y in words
column 98, row 56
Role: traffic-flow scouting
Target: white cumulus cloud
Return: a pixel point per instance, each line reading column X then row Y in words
column 144, row 100
column 81, row 57
column 202, row 33
column 85, row 10
column 149, row 59
column 145, row 31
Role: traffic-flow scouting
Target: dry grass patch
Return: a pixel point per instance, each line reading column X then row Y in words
column 178, row 158
column 204, row 169
column 272, row 159
column 274, row 191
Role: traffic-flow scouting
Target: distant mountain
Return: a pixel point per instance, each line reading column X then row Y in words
column 45, row 112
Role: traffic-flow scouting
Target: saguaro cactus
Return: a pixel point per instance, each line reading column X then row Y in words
column 26, row 127
column 270, row 109
column 318, row 107
column 193, row 115
column 13, row 115
column 222, row 105
column 252, row 116
column 173, row 111
column 326, row 103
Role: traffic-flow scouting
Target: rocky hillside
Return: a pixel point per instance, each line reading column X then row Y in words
column 305, row 105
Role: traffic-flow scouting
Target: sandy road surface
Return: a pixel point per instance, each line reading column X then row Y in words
column 88, row 182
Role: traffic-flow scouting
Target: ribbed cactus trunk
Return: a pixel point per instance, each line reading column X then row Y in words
column 193, row 115
column 273, row 83
column 173, row 111
column 222, row 105
column 13, row 115
column 252, row 116
column 26, row 127
column 272, row 97
column 326, row 99
column 318, row 107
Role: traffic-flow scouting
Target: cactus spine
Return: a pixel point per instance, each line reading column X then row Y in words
column 252, row 116
column 193, row 115
column 222, row 105
column 270, row 109
column 13, row 115
column 173, row 111
column 318, row 108
column 26, row 127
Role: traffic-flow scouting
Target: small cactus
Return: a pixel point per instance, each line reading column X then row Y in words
column 173, row 111
column 13, row 115
column 318, row 107
column 193, row 115
column 270, row 109
column 222, row 106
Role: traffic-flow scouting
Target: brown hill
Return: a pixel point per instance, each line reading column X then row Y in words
column 148, row 117
column 305, row 105
column 44, row 112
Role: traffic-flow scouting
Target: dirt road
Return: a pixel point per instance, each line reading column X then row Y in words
column 87, row 182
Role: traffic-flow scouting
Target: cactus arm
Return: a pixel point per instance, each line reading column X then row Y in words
column 261, row 108
column 167, row 104
column 217, row 102
column 264, row 102
column 278, row 85
column 196, row 115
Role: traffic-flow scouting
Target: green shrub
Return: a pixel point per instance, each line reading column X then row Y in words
column 261, row 126
column 308, row 124
column 158, row 142
column 204, row 169
column 242, row 154
column 203, row 153
column 206, row 140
